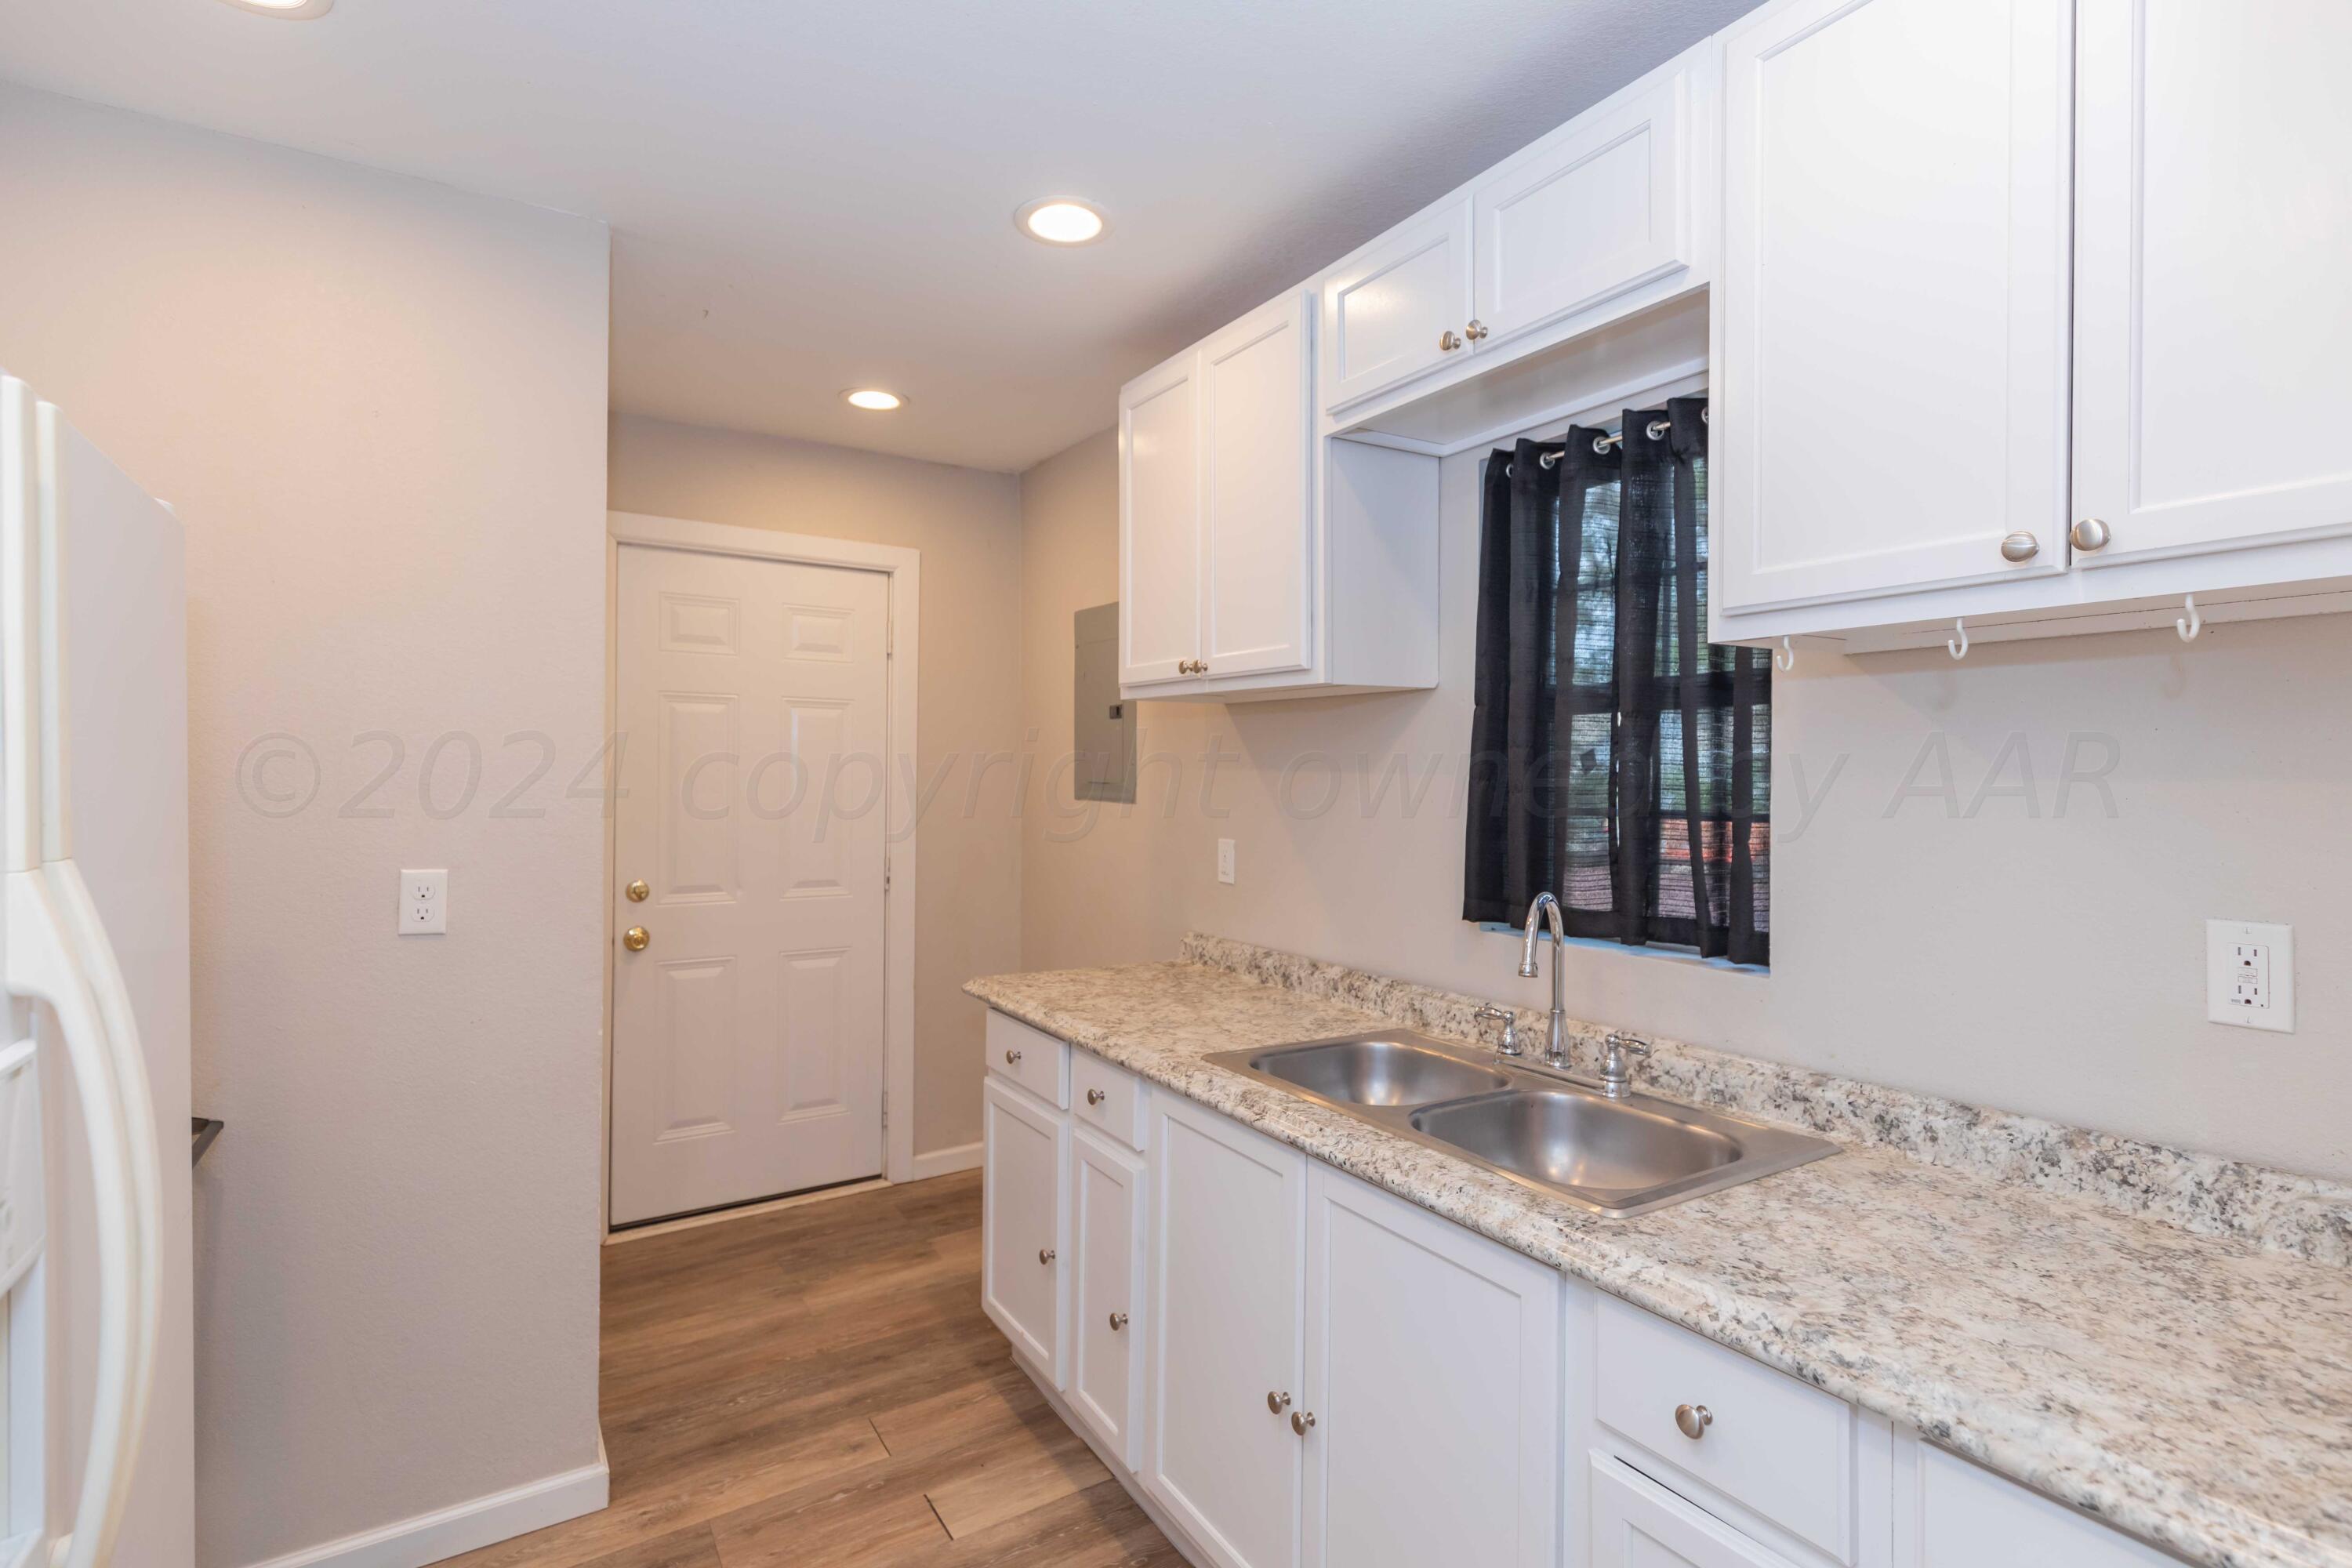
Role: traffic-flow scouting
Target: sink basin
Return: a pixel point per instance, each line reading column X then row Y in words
column 1536, row 1125
column 1371, row 1070
column 1568, row 1140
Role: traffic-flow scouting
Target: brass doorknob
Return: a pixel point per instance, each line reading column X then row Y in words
column 637, row 938
column 638, row 890
column 1693, row 1420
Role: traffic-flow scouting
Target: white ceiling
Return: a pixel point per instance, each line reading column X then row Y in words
column 806, row 197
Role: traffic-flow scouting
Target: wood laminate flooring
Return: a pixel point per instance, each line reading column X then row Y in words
column 818, row 1387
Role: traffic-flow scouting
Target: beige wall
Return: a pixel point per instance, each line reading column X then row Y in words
column 379, row 407
column 2012, row 957
column 967, row 524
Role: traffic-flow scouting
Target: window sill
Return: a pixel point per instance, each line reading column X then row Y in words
column 1654, row 951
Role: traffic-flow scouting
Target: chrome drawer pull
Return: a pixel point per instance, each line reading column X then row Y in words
column 1117, row 1321
column 1095, row 1097
column 1693, row 1420
column 1012, row 1058
column 1275, row 1402
column 1044, row 1255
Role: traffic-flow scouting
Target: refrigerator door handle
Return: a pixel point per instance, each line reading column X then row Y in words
column 41, row 965
column 94, row 956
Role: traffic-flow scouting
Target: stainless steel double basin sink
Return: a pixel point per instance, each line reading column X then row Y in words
column 1543, row 1129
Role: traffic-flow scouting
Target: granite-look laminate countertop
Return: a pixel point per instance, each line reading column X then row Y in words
column 2195, row 1390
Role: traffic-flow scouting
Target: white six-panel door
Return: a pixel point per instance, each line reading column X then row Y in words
column 1256, row 422
column 1890, row 374
column 748, row 1035
column 1226, row 1360
column 2210, row 411
column 1159, row 517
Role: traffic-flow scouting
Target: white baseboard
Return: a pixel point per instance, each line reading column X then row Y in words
column 945, row 1162
column 465, row 1526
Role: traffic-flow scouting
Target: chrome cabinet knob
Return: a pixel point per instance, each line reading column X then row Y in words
column 1693, row 1420
column 1117, row 1321
column 1448, row 341
column 638, row 892
column 1475, row 332
column 1277, row 1402
column 1095, row 1097
column 636, row 939
column 1012, row 1058
column 2019, row 546
column 1300, row 1420
column 2090, row 535
column 1044, row 1255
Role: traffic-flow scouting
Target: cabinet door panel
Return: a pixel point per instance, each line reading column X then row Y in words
column 1255, row 519
column 1891, row 348
column 1228, row 1244
column 1969, row 1517
column 1637, row 1523
column 1386, row 308
column 1160, row 523
column 2215, row 202
column 1434, row 1378
column 1107, row 1317
column 1024, row 1227
column 1599, row 206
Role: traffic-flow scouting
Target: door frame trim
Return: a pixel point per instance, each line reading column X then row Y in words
column 902, row 568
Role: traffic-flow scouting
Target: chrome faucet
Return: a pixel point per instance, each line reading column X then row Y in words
column 1555, row 1052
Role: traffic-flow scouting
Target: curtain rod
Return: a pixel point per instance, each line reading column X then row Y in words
column 1655, row 430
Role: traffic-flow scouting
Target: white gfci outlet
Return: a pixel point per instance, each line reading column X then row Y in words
column 1224, row 859
column 2250, row 975
column 423, row 902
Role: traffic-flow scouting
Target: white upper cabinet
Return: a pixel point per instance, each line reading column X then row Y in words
column 1889, row 382
column 2212, row 409
column 1256, row 523
column 1599, row 206
column 1398, row 306
column 1160, row 523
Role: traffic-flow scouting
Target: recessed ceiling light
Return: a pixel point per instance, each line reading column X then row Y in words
column 285, row 10
column 1060, row 220
column 873, row 399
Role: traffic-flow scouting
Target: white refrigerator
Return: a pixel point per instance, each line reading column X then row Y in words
column 97, row 1447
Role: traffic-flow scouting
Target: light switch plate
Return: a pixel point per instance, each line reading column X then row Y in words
column 423, row 902
column 2250, row 975
column 1224, row 860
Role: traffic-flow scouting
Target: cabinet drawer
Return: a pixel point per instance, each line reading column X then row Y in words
column 1030, row 1058
column 1773, row 1445
column 1107, row 1096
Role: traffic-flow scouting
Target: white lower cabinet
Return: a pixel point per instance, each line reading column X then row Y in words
column 1023, row 1222
column 1637, row 1523
column 1107, row 1317
column 1434, row 1387
column 1296, row 1370
column 1969, row 1517
column 1228, row 1247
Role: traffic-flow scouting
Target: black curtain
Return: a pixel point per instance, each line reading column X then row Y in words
column 1618, row 759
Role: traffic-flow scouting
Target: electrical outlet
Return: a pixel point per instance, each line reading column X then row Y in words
column 2250, row 975
column 1224, row 860
column 423, row 902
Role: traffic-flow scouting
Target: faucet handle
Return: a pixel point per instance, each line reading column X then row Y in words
column 1616, row 1072
column 1509, row 1045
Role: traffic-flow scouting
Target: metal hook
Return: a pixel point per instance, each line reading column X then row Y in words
column 1786, row 659
column 1959, row 650
column 2188, row 628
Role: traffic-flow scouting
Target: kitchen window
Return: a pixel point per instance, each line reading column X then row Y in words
column 1618, row 759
